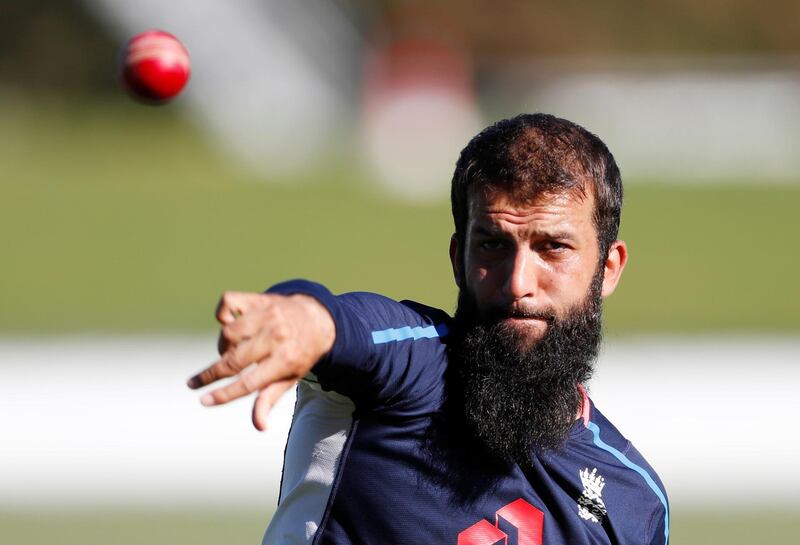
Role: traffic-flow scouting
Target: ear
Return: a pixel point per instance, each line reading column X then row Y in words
column 455, row 260
column 614, row 265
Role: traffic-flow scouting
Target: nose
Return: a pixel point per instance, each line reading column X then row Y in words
column 522, row 281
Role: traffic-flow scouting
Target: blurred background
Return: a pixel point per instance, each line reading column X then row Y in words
column 316, row 139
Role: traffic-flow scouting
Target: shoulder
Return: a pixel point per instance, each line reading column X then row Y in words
column 372, row 309
column 388, row 311
column 407, row 341
column 387, row 322
column 386, row 353
column 631, row 484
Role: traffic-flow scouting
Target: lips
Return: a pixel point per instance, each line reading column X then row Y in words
column 517, row 314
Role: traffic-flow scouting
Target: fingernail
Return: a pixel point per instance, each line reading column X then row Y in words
column 207, row 400
column 192, row 382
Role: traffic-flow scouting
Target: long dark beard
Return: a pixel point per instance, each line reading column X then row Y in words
column 515, row 396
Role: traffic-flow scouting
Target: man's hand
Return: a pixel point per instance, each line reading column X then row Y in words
column 268, row 342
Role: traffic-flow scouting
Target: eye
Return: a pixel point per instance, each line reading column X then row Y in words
column 552, row 246
column 492, row 245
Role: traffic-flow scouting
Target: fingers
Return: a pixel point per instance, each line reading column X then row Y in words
column 222, row 343
column 234, row 359
column 266, row 399
column 285, row 335
column 240, row 329
column 223, row 395
column 240, row 317
column 233, row 304
column 254, row 378
column 246, row 326
column 219, row 369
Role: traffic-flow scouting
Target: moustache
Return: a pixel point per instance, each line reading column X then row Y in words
column 513, row 311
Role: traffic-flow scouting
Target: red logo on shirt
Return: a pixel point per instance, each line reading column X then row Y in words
column 518, row 515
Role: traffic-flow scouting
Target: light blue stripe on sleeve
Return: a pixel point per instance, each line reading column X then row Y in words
column 408, row 332
column 638, row 469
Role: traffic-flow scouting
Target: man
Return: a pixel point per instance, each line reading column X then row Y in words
column 473, row 430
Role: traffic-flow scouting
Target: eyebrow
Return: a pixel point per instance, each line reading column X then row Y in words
column 553, row 235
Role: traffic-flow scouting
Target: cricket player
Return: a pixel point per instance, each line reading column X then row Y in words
column 415, row 427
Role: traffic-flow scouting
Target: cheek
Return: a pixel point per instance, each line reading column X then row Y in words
column 482, row 281
column 564, row 283
column 571, row 282
column 472, row 267
column 477, row 279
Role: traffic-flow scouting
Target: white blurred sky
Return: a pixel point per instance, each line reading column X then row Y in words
column 105, row 422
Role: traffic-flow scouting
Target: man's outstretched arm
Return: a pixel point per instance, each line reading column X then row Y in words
column 268, row 342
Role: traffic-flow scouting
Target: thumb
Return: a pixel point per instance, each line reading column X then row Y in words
column 266, row 399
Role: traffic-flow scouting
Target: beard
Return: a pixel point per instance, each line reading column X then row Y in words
column 518, row 396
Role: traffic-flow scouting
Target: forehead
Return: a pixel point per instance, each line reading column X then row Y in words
column 495, row 205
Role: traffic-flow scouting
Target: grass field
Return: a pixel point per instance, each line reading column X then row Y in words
column 213, row 528
column 117, row 218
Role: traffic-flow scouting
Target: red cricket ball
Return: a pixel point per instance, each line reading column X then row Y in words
column 155, row 66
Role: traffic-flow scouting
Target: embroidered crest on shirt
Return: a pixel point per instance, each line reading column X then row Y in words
column 590, row 504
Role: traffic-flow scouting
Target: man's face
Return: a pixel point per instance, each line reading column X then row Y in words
column 528, row 318
column 527, row 262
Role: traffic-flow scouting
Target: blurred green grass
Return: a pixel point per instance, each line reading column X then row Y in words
column 122, row 218
column 212, row 528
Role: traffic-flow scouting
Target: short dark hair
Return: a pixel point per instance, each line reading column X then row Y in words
column 534, row 154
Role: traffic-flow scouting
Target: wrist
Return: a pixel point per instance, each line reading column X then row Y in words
column 318, row 319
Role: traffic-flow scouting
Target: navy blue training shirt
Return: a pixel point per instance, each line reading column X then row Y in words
column 396, row 482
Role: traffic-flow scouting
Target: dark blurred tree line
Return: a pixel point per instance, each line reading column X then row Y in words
column 52, row 45
column 518, row 29
column 60, row 45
